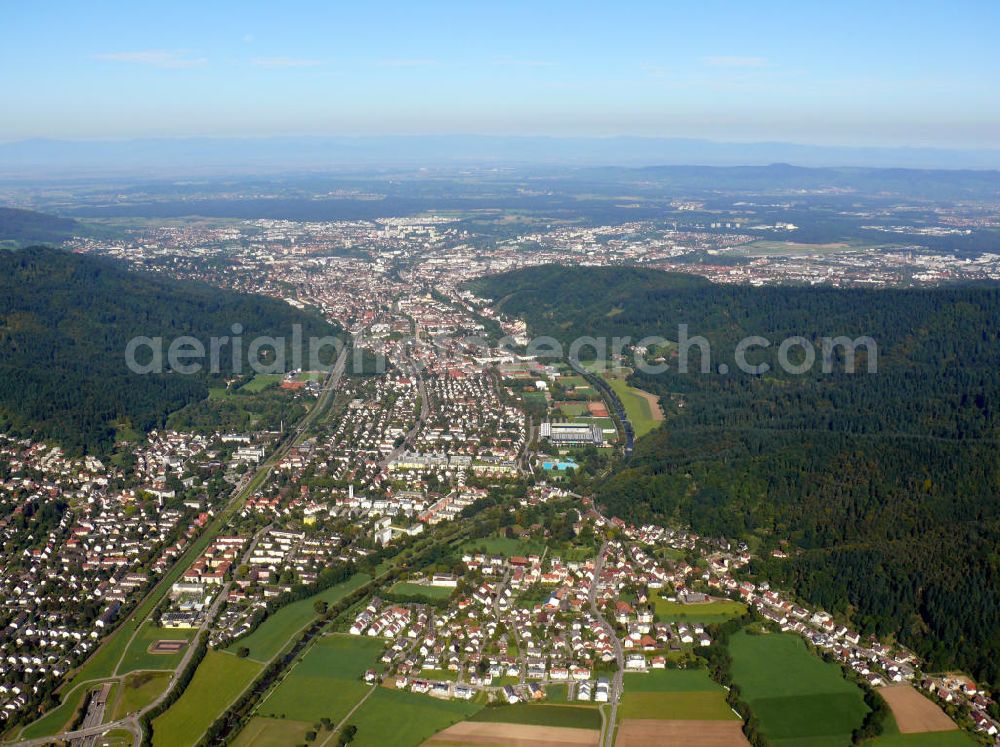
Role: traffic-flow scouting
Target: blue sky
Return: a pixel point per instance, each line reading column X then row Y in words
column 851, row 73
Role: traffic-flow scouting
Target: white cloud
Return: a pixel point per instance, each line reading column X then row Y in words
column 735, row 61
column 161, row 58
column 284, row 62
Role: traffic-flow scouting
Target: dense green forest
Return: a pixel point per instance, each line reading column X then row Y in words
column 65, row 320
column 29, row 226
column 887, row 484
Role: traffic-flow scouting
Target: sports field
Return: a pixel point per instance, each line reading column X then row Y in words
column 278, row 629
column 327, row 682
column 709, row 612
column 796, row 696
column 674, row 694
column 138, row 655
column 402, row 719
column 260, row 382
column 572, row 409
column 218, row 681
column 581, row 717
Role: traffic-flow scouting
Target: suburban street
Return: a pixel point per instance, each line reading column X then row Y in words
column 241, row 491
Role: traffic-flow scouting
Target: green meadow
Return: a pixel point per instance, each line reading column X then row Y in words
column 218, row 681
column 402, row 719
column 674, row 694
column 798, row 698
column 434, row 592
column 279, row 628
column 139, row 690
column 710, row 612
column 326, row 682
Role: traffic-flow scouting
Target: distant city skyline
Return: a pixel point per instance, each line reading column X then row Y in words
column 855, row 74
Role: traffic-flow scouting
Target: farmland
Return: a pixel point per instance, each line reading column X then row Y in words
column 488, row 734
column 272, row 732
column 674, row 694
column 218, row 681
column 404, row 719
column 793, row 693
column 914, row 713
column 652, row 733
column 326, row 683
column 580, row 717
column 927, row 739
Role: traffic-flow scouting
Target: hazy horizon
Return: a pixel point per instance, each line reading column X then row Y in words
column 858, row 75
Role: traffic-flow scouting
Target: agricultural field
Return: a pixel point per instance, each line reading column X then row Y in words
column 272, row 732
column 913, row 713
column 434, row 592
column 582, row 717
column 796, row 696
column 137, row 655
column 218, row 681
column 927, row 739
column 710, row 612
column 675, row 694
column 137, row 691
column 327, row 681
column 277, row 630
column 489, row 734
column 405, row 719
column 653, row 733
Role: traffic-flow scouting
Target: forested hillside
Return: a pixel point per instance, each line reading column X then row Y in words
column 886, row 484
column 65, row 320
column 29, row 226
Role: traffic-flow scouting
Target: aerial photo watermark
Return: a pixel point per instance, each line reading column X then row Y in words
column 683, row 353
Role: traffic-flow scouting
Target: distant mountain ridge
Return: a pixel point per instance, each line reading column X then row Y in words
column 65, row 321
column 37, row 158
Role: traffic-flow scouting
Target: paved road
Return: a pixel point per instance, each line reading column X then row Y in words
column 425, row 412
column 614, row 696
